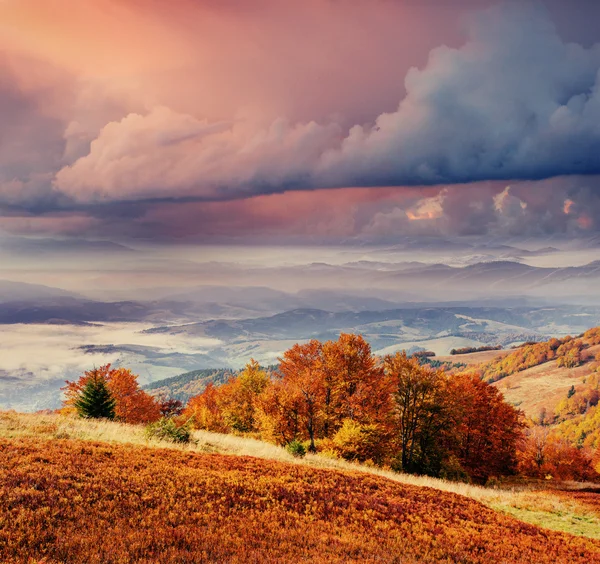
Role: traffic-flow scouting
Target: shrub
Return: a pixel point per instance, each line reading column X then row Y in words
column 421, row 354
column 171, row 408
column 356, row 442
column 167, row 429
column 296, row 448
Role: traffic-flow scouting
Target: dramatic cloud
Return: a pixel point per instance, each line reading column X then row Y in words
column 218, row 120
column 514, row 102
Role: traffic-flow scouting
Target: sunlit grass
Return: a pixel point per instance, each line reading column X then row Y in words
column 539, row 507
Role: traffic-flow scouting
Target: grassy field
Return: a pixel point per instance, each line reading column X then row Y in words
column 544, row 385
column 472, row 359
column 564, row 511
column 66, row 500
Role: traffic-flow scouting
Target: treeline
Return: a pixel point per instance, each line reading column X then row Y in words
column 468, row 350
column 423, row 354
column 337, row 398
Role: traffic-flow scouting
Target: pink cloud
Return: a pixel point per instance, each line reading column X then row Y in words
column 111, row 102
column 473, row 113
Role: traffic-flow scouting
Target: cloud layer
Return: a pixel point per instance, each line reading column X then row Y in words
column 514, row 102
column 221, row 119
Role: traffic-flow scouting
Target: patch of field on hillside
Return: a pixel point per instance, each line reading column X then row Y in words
column 76, row 501
column 541, row 386
column 473, row 358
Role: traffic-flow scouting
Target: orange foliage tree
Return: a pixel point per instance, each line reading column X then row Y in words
column 451, row 425
column 544, row 454
column 338, row 396
column 420, row 414
column 321, row 385
column 232, row 406
column 205, row 411
column 132, row 404
column 304, row 380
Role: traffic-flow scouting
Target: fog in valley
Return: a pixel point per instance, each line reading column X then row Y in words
column 163, row 309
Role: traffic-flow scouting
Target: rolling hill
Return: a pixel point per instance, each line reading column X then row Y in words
column 530, row 380
column 544, row 385
column 11, row 291
column 187, row 385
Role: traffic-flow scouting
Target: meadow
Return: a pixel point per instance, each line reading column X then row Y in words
column 66, row 500
column 569, row 509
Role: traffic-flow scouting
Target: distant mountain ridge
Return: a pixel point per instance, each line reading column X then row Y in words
column 12, row 291
column 309, row 323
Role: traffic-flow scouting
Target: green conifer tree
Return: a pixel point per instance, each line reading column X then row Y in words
column 95, row 400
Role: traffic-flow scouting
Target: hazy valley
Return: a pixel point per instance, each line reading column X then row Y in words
column 165, row 313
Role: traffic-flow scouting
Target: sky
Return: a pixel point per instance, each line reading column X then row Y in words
column 313, row 120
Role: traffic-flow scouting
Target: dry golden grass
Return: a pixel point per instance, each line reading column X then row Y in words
column 73, row 501
column 542, row 507
column 544, row 385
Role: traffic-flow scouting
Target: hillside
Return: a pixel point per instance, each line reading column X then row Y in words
column 571, row 508
column 538, row 376
column 189, row 384
column 181, row 506
column 543, row 386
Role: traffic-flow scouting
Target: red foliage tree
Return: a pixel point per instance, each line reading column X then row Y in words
column 485, row 428
column 133, row 405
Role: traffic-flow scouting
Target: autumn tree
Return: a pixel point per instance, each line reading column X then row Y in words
column 204, row 410
column 325, row 384
column 238, row 399
column 232, row 406
column 356, row 387
column 419, row 411
column 303, row 375
column 485, row 429
column 131, row 403
column 280, row 413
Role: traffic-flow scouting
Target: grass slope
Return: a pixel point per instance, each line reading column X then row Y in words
column 544, row 385
column 555, row 510
column 541, row 386
column 72, row 501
